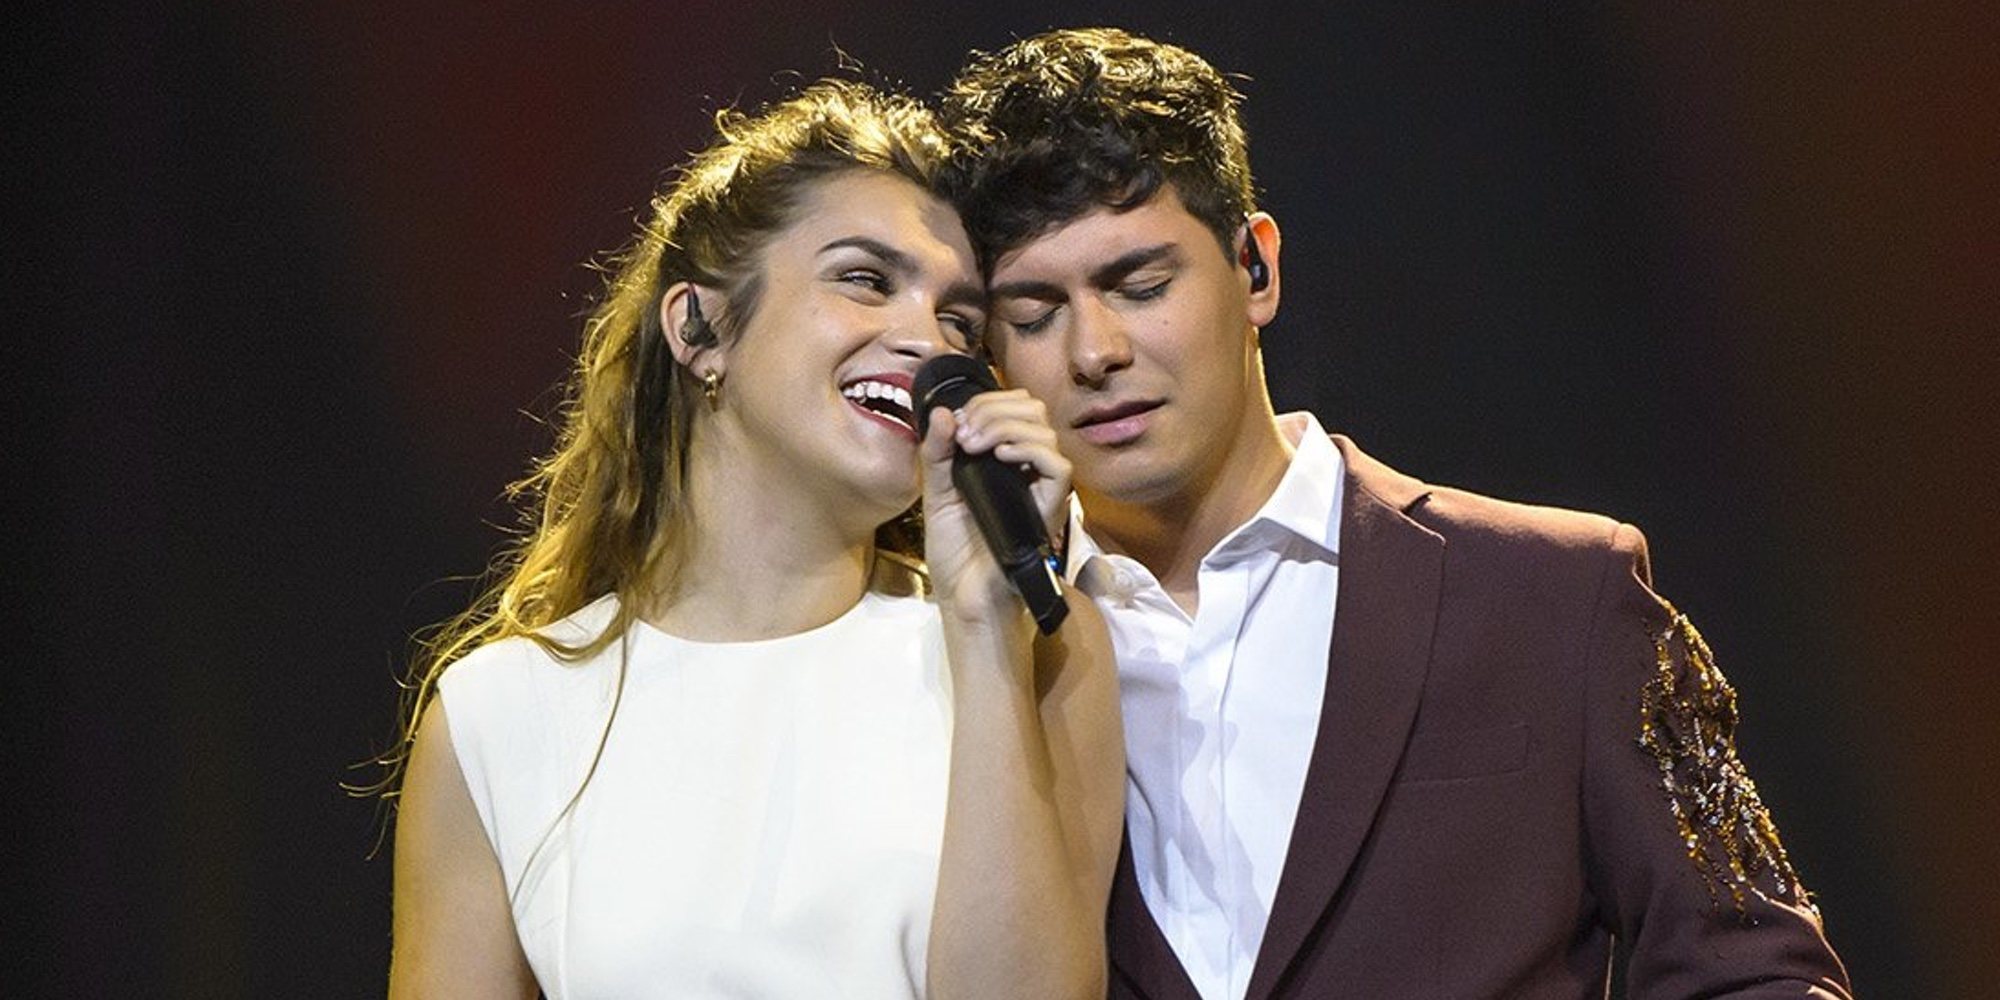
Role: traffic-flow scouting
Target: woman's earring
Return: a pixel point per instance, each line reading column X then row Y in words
column 695, row 331
column 711, row 388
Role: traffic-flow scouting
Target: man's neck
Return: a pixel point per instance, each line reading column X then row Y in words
column 1170, row 536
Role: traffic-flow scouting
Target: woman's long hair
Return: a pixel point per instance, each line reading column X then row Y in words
column 606, row 511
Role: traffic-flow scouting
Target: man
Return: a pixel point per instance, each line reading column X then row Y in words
column 1384, row 739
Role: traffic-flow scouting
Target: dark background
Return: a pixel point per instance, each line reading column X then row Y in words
column 283, row 288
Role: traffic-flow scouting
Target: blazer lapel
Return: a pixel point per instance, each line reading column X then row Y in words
column 1390, row 576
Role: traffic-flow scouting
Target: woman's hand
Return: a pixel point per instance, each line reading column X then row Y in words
column 1014, row 427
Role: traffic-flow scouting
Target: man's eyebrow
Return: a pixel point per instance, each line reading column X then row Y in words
column 1045, row 290
column 1117, row 270
column 1106, row 275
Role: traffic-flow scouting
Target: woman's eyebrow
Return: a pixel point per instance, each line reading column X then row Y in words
column 962, row 293
column 892, row 258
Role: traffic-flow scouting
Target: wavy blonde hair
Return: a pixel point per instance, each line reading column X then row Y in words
column 606, row 511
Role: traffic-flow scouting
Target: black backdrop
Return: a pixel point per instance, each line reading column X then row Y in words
column 285, row 286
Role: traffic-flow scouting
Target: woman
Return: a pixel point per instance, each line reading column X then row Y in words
column 701, row 738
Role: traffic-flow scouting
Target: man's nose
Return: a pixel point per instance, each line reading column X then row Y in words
column 1098, row 345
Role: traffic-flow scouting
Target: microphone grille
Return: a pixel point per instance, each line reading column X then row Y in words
column 948, row 380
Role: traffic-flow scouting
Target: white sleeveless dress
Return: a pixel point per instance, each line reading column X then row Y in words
column 765, row 821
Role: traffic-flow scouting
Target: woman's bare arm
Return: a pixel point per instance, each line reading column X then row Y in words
column 454, row 934
column 1035, row 812
column 1076, row 679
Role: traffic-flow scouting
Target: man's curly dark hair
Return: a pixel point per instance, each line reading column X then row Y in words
column 1056, row 125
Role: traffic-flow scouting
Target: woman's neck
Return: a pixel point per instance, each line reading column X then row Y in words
column 759, row 561
column 748, row 592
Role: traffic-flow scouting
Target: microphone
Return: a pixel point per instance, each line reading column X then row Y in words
column 996, row 492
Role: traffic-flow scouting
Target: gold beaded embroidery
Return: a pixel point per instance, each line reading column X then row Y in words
column 1687, row 723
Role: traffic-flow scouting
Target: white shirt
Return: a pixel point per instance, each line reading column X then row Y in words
column 1221, row 710
column 765, row 821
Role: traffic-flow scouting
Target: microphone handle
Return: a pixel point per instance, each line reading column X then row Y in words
column 1005, row 512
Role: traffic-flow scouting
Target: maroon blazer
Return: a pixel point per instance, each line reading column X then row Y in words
column 1512, row 718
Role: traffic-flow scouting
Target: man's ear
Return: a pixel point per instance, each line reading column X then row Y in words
column 1260, row 248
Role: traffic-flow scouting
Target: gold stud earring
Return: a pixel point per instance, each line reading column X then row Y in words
column 711, row 388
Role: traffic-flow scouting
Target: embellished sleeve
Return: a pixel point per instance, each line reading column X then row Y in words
column 1687, row 724
column 1685, row 859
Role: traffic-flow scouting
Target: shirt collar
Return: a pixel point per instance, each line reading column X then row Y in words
column 1305, row 504
column 1079, row 548
column 1307, row 500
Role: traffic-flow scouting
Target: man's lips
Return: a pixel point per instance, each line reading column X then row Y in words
column 1116, row 424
